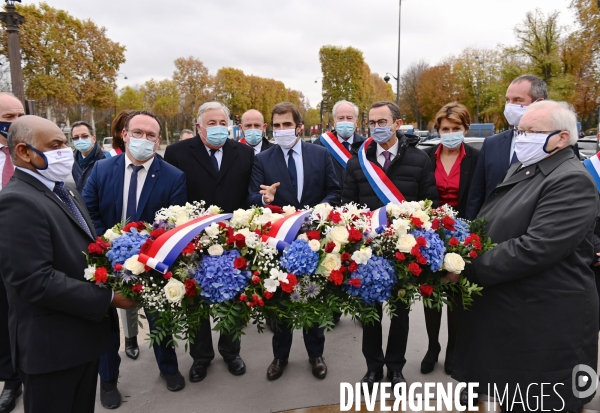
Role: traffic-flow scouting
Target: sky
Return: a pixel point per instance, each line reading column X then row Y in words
column 281, row 39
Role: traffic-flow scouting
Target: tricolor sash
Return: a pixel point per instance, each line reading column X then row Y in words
column 284, row 231
column 243, row 140
column 166, row 248
column 379, row 219
column 113, row 152
column 335, row 148
column 384, row 188
column 592, row 164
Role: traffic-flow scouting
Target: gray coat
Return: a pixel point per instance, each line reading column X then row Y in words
column 537, row 317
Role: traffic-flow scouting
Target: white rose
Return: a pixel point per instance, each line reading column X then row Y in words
column 174, row 290
column 362, row 256
column 215, row 250
column 212, row 230
column 314, row 245
column 302, row 237
column 111, row 235
column 339, row 235
column 289, row 210
column 454, row 263
column 422, row 215
column 89, row 272
column 393, row 209
column 331, row 262
column 132, row 264
column 405, row 243
column 181, row 218
column 271, row 285
column 401, row 226
column 213, row 209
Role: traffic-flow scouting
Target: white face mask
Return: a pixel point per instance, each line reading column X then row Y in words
column 531, row 148
column 285, row 138
column 513, row 113
column 59, row 163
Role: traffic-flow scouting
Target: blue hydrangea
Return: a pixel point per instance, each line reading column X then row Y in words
column 218, row 279
column 461, row 230
column 377, row 278
column 434, row 250
column 299, row 259
column 126, row 246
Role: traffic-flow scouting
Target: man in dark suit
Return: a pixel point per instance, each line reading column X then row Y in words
column 59, row 322
column 411, row 172
column 293, row 173
column 133, row 186
column 218, row 171
column 11, row 108
column 345, row 115
column 254, row 128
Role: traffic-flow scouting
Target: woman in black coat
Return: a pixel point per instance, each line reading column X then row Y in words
column 454, row 164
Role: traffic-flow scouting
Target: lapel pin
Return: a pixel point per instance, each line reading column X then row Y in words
column 527, row 173
column 71, row 192
column 152, row 175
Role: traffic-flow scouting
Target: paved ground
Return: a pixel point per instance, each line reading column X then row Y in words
column 220, row 392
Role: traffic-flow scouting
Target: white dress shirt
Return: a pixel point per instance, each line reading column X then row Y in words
column 256, row 148
column 393, row 150
column 141, row 178
column 299, row 166
column 350, row 140
column 218, row 154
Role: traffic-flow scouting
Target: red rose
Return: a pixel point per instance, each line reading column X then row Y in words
column 258, row 232
column 243, row 297
column 255, row 279
column 137, row 288
column 240, row 240
column 355, row 282
column 289, row 286
column 127, row 228
column 336, row 277
column 346, row 256
column 261, row 303
column 448, row 223
column 229, row 232
column 415, row 269
column 416, row 222
column 222, row 225
column 353, row 266
column 268, row 295
column 435, row 224
column 240, row 263
column 167, row 275
column 421, row 260
column 189, row 249
column 190, row 287
column 230, row 240
column 145, row 248
column 275, row 209
column 421, row 241
column 400, row 256
column 118, row 267
column 157, row 233
column 101, row 275
column 354, row 235
column 329, row 247
column 415, row 250
column 94, row 248
column 316, row 235
column 335, row 217
column 453, row 242
column 473, row 254
column 426, row 290
column 102, row 244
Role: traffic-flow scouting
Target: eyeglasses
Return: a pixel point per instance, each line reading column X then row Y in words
column 139, row 134
column 380, row 122
column 77, row 137
column 523, row 134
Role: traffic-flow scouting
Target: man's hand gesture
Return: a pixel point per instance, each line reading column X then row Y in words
column 268, row 192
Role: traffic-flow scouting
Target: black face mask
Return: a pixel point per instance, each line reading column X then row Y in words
column 4, row 126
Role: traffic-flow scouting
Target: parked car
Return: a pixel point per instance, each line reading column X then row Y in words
column 476, row 143
column 588, row 146
column 107, row 144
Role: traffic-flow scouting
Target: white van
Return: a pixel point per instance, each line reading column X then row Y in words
column 107, row 144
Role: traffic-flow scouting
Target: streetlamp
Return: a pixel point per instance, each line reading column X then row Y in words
column 13, row 22
column 124, row 75
column 478, row 84
column 387, row 78
column 398, row 72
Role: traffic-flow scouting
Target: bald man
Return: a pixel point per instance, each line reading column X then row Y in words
column 10, row 109
column 254, row 131
column 59, row 323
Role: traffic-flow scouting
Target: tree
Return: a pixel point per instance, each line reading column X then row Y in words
column 130, row 99
column 437, row 86
column 194, row 83
column 232, row 90
column 162, row 97
column 409, row 81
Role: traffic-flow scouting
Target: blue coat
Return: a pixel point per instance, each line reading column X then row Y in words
column 103, row 193
column 320, row 181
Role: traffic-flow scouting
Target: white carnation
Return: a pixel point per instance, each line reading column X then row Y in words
column 302, row 237
column 89, row 272
column 289, row 210
column 111, row 235
column 212, row 230
column 401, row 226
column 362, row 256
column 314, row 245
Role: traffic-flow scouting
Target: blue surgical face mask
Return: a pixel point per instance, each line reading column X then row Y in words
column 4, row 126
column 253, row 136
column 345, row 129
column 217, row 135
column 83, row 145
column 381, row 134
column 141, row 149
column 452, row 140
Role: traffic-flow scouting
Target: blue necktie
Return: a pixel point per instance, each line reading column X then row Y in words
column 63, row 194
column 346, row 145
column 514, row 158
column 213, row 158
column 132, row 196
column 293, row 172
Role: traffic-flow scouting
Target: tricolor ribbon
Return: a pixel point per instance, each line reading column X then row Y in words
column 243, row 140
column 592, row 164
column 335, row 148
column 384, row 188
column 166, row 248
column 284, row 231
column 379, row 219
column 113, row 152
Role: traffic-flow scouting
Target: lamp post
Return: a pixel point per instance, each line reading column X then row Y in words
column 478, row 85
column 398, row 72
column 13, row 22
column 387, row 78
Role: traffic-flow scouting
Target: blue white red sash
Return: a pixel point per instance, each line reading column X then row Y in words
column 335, row 148
column 113, row 152
column 384, row 188
column 379, row 219
column 166, row 248
column 284, row 231
column 592, row 164
column 243, row 140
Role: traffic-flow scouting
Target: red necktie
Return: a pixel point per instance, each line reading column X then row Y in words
column 9, row 169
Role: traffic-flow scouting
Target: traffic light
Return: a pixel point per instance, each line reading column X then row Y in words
column 237, row 119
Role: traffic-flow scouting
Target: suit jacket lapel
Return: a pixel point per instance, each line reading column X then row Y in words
column 504, row 155
column 151, row 178
column 229, row 155
column 516, row 175
column 119, row 183
column 201, row 154
column 84, row 213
